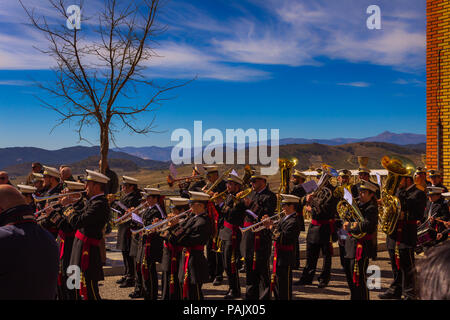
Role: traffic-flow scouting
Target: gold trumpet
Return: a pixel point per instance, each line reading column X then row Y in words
column 171, row 180
column 56, row 196
column 161, row 226
column 220, row 195
column 276, row 218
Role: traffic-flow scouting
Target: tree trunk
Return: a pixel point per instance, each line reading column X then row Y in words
column 104, row 148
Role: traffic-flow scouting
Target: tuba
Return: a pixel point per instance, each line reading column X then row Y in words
column 285, row 166
column 390, row 207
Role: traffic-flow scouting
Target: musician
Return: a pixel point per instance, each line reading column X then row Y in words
column 233, row 212
column 89, row 222
column 27, row 192
column 54, row 187
column 65, row 173
column 402, row 242
column 364, row 175
column 420, row 178
column 358, row 251
column 38, row 183
column 36, row 167
column 321, row 234
column 28, row 254
column 215, row 261
column 436, row 212
column 193, row 235
column 344, row 183
column 285, row 236
column 297, row 179
column 256, row 247
column 171, row 256
column 131, row 198
column 66, row 232
column 4, row 178
column 151, row 245
column 196, row 185
column 436, row 179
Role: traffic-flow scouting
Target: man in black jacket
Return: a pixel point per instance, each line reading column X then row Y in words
column 256, row 246
column 298, row 178
column 358, row 247
column 435, row 213
column 436, row 179
column 28, row 254
column 193, row 235
column 321, row 234
column 402, row 242
column 131, row 199
column 233, row 212
column 285, row 235
column 89, row 222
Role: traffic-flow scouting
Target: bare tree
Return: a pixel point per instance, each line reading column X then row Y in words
column 99, row 73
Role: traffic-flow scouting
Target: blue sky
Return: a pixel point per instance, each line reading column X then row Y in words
column 309, row 68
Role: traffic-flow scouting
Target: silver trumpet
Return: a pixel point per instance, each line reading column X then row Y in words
column 127, row 216
column 161, row 226
column 56, row 196
column 260, row 225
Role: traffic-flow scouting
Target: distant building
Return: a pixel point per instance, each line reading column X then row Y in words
column 438, row 86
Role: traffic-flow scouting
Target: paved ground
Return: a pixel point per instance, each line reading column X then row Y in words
column 337, row 289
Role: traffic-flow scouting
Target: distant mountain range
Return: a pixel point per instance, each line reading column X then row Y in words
column 403, row 139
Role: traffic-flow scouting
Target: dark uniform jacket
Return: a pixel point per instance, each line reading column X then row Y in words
column 286, row 234
column 196, row 231
column 156, row 242
column 325, row 211
column 300, row 192
column 28, row 258
column 47, row 223
column 90, row 221
column 233, row 213
column 369, row 211
column 263, row 203
column 439, row 210
column 133, row 199
column 413, row 202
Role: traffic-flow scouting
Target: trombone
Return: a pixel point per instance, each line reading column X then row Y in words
column 224, row 174
column 260, row 225
column 56, row 196
column 161, row 226
column 127, row 216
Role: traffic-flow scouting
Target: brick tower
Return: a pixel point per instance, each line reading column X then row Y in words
column 438, row 86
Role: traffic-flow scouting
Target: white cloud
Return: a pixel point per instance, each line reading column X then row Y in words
column 355, row 84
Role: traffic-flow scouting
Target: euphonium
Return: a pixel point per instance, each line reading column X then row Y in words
column 350, row 213
column 390, row 207
column 322, row 194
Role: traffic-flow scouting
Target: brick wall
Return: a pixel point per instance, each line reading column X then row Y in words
column 438, row 86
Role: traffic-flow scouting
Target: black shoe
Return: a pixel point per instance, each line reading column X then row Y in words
column 389, row 295
column 135, row 295
column 302, row 282
column 121, row 280
column 217, row 281
column 232, row 296
column 322, row 284
column 127, row 284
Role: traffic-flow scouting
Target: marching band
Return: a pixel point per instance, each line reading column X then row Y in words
column 222, row 221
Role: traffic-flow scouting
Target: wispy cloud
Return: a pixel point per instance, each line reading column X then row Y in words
column 20, row 83
column 355, row 84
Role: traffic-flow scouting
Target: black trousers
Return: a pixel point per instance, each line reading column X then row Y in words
column 258, row 280
column 128, row 264
column 137, row 276
column 312, row 255
column 359, row 290
column 228, row 253
column 150, row 281
column 195, row 291
column 92, row 290
column 345, row 263
column 404, row 277
column 283, row 285
column 215, row 261
column 166, row 295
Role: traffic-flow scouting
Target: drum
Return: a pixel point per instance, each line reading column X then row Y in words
column 425, row 238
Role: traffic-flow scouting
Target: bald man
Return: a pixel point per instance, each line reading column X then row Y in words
column 28, row 253
column 66, row 173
